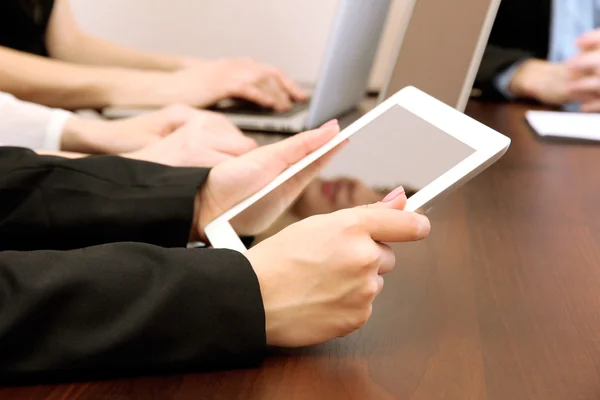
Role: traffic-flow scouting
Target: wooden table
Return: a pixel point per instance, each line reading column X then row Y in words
column 502, row 302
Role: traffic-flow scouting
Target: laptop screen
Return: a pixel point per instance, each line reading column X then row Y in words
column 442, row 48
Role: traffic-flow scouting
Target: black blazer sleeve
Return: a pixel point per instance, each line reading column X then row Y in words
column 52, row 203
column 120, row 309
column 496, row 60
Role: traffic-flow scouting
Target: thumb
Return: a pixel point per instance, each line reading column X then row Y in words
column 395, row 200
column 238, row 145
column 289, row 151
column 387, row 222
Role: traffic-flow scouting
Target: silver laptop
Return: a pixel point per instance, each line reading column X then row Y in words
column 342, row 80
column 441, row 49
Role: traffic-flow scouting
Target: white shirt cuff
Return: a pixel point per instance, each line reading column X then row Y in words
column 54, row 130
column 503, row 79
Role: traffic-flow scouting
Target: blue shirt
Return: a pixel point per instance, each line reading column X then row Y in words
column 570, row 20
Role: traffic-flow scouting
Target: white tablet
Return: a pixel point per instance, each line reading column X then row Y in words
column 450, row 147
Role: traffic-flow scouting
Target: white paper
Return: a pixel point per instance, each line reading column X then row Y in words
column 565, row 124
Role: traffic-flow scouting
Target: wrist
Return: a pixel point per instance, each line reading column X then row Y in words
column 82, row 135
column 204, row 213
column 524, row 82
column 137, row 88
column 276, row 316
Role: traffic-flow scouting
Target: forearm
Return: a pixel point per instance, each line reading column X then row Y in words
column 53, row 131
column 89, row 136
column 63, row 85
column 68, row 42
column 126, row 308
column 60, row 204
column 91, row 50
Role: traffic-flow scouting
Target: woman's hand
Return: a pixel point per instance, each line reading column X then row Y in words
column 177, row 135
column 205, row 141
column 206, row 83
column 319, row 277
column 233, row 181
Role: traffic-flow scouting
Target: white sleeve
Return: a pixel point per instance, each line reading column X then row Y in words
column 30, row 125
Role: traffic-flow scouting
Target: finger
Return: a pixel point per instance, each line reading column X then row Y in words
column 210, row 160
column 248, row 145
column 233, row 140
column 278, row 92
column 310, row 172
column 390, row 225
column 584, row 63
column 237, row 146
column 330, row 123
column 295, row 91
column 589, row 40
column 163, row 122
column 180, row 114
column 388, row 259
column 379, row 282
column 276, row 158
column 591, row 106
column 584, row 87
column 279, row 156
column 396, row 199
column 296, row 148
column 291, row 189
column 227, row 128
column 254, row 94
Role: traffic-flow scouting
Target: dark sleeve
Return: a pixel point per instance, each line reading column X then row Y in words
column 495, row 60
column 60, row 204
column 122, row 309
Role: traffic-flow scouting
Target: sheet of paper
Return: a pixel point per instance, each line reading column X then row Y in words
column 565, row 124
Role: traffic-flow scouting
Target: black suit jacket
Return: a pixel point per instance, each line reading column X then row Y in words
column 521, row 31
column 68, row 311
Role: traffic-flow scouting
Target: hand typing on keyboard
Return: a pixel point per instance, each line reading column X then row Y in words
column 205, row 84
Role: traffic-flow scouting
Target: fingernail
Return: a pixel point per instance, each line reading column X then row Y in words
column 424, row 225
column 393, row 194
column 330, row 123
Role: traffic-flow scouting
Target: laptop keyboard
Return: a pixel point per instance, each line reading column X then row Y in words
column 249, row 108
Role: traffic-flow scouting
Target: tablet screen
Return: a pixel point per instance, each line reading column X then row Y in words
column 397, row 148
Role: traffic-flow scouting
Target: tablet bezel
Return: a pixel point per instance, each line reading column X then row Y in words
column 489, row 145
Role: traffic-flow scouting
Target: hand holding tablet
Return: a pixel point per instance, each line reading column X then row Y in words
column 231, row 182
column 333, row 264
column 318, row 277
column 464, row 148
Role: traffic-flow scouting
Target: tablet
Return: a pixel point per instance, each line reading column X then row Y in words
column 450, row 147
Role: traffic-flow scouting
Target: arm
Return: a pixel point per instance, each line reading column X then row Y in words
column 126, row 308
column 50, row 131
column 31, row 125
column 71, row 86
column 57, row 203
column 67, row 42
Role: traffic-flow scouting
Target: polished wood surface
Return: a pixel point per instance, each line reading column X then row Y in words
column 502, row 302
